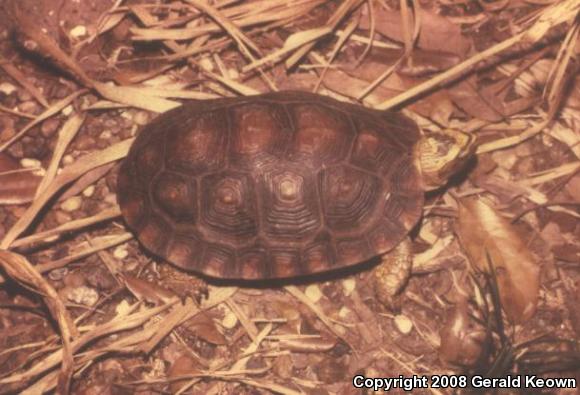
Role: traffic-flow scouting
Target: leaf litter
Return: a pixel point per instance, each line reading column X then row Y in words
column 430, row 58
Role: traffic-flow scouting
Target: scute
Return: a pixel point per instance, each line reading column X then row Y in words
column 277, row 185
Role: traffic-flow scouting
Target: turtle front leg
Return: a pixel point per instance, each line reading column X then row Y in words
column 392, row 274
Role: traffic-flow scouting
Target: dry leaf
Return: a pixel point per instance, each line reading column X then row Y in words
column 461, row 345
column 437, row 32
column 203, row 326
column 145, row 290
column 482, row 232
column 184, row 365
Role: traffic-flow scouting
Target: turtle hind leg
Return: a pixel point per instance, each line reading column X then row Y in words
column 392, row 274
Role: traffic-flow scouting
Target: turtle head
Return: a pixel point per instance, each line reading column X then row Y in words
column 441, row 154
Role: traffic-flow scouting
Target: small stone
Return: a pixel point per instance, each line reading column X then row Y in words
column 74, row 280
column 111, row 198
column 83, row 295
column 123, row 308
column 313, row 293
column 29, row 107
column 67, row 110
column 233, row 74
column 403, row 324
column 348, row 286
column 89, row 191
column 30, row 163
column 344, row 312
column 49, row 127
column 106, row 135
column 71, row 204
column 230, row 320
column 206, row 64
column 78, row 31
column 121, row 252
column 504, row 158
column 85, row 142
column 7, row 88
column 68, row 160
column 62, row 217
column 141, row 118
column 57, row 274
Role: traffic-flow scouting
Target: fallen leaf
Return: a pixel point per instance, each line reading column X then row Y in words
column 182, row 366
column 437, row 32
column 204, row 327
column 482, row 233
column 461, row 345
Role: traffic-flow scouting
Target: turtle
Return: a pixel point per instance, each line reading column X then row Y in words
column 283, row 185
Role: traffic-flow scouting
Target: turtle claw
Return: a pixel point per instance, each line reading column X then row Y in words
column 392, row 274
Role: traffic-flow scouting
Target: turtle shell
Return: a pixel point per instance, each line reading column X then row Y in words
column 277, row 185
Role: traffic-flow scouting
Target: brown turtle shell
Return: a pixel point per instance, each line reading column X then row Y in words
column 271, row 186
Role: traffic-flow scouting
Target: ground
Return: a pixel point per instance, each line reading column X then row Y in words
column 496, row 255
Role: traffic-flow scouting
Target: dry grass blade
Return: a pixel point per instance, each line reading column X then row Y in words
column 511, row 141
column 66, row 135
column 41, row 237
column 135, row 97
column 350, row 28
column 82, row 251
column 343, row 10
column 294, row 291
column 182, row 313
column 18, row 267
column 68, row 175
column 13, row 72
column 554, row 89
column 45, row 46
column 293, row 42
column 17, row 113
column 49, row 112
column 237, row 35
column 555, row 14
column 552, row 174
column 233, row 85
column 119, row 324
column 481, row 231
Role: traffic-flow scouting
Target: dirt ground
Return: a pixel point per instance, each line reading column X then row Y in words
column 495, row 285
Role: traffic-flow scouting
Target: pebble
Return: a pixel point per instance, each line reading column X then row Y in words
column 123, row 308
column 49, row 127
column 233, row 74
column 111, row 198
column 67, row 110
column 78, row 31
column 61, row 217
column 403, row 324
column 121, row 252
column 83, row 295
column 68, row 160
column 344, row 312
column 71, row 204
column 85, row 142
column 89, row 191
column 57, row 274
column 28, row 107
column 106, row 135
column 7, row 88
column 141, row 118
column 206, row 64
column 348, row 286
column 30, row 163
column 230, row 320
column 313, row 293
